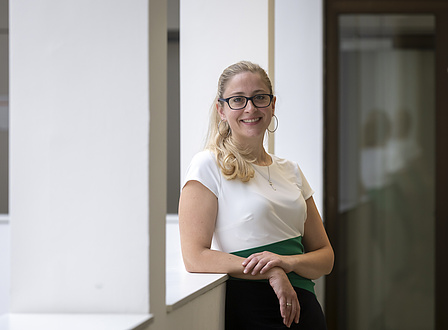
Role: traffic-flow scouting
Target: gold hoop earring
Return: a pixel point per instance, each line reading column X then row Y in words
column 276, row 125
column 228, row 129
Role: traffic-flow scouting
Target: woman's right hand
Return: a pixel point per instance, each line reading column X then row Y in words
column 287, row 296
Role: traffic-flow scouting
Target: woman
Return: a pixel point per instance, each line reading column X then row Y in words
column 259, row 211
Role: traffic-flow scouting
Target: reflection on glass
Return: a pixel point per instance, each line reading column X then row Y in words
column 387, row 141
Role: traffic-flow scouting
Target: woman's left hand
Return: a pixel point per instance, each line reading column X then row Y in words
column 260, row 263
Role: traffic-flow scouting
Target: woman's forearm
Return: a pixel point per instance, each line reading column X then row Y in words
column 213, row 261
column 312, row 264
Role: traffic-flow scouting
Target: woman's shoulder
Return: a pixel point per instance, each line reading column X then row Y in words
column 292, row 170
column 287, row 166
column 204, row 158
column 204, row 162
column 204, row 168
column 285, row 163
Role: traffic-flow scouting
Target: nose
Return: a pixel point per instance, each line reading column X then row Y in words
column 250, row 105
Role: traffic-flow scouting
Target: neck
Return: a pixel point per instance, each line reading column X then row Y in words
column 262, row 157
column 257, row 152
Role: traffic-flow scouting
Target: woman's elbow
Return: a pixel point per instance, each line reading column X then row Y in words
column 189, row 264
column 193, row 263
column 327, row 264
column 191, row 267
column 330, row 262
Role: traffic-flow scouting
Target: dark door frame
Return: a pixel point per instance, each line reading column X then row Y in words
column 334, row 302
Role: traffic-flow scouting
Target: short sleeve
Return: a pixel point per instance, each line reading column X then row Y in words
column 307, row 191
column 204, row 169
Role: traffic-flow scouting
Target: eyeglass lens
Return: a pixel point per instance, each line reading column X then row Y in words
column 240, row 102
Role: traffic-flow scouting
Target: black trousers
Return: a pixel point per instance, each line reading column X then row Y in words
column 253, row 305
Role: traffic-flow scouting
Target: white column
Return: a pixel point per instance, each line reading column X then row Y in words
column 299, row 89
column 213, row 35
column 79, row 156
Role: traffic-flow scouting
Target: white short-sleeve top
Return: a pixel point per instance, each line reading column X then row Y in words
column 252, row 216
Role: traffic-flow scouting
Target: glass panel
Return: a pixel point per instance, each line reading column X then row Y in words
column 387, row 161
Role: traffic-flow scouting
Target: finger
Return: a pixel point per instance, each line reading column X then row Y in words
column 290, row 310
column 285, row 311
column 269, row 265
column 259, row 266
column 297, row 313
column 248, row 259
column 250, row 265
column 256, row 264
column 285, row 315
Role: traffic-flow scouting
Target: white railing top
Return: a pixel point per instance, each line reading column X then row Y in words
column 4, row 218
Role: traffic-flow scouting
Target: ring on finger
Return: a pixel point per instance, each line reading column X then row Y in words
column 288, row 304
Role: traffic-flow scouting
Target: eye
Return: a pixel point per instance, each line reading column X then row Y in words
column 261, row 97
column 238, row 99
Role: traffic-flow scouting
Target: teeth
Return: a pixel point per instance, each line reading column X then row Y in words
column 251, row 120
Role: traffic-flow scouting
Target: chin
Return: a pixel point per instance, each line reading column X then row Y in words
column 250, row 136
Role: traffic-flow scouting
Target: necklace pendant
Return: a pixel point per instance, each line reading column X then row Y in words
column 269, row 180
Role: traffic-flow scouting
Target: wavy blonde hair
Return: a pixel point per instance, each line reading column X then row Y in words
column 234, row 160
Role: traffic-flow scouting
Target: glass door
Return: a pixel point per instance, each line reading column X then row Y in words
column 386, row 197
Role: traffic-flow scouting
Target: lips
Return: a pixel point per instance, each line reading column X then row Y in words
column 253, row 120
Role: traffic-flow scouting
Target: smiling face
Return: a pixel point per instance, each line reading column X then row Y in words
column 247, row 125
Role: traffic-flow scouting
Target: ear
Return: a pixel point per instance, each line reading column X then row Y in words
column 220, row 110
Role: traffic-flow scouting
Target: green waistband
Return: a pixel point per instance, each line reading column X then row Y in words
column 287, row 247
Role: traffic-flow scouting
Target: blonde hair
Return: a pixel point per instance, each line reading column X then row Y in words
column 234, row 160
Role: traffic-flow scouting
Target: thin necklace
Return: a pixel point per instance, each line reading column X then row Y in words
column 269, row 179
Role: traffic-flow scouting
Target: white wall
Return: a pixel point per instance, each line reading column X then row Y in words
column 4, row 264
column 79, row 156
column 299, row 89
column 212, row 38
column 206, row 312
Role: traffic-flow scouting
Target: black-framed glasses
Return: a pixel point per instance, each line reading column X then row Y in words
column 240, row 102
